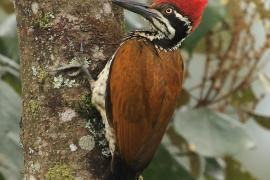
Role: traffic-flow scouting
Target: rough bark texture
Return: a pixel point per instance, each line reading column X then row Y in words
column 61, row 131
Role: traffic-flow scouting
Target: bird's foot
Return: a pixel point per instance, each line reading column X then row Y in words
column 74, row 70
column 71, row 69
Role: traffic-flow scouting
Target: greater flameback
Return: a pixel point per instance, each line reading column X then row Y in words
column 136, row 92
column 143, row 80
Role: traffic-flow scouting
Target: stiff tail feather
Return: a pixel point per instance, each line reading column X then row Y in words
column 119, row 170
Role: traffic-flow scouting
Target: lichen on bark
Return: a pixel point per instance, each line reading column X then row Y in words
column 53, row 33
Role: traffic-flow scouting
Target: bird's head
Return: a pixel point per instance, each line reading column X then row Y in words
column 172, row 20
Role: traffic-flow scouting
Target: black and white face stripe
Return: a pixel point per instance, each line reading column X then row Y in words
column 170, row 28
column 184, row 19
column 182, row 27
column 163, row 25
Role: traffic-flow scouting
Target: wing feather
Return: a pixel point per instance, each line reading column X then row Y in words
column 143, row 87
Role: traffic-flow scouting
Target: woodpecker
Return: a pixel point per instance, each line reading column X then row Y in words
column 136, row 91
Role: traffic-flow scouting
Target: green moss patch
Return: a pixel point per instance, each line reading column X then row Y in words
column 60, row 172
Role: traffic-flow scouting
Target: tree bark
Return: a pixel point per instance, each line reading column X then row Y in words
column 62, row 134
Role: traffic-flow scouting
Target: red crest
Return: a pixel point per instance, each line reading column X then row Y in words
column 193, row 9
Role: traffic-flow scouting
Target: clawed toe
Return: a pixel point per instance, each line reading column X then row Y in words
column 74, row 70
column 71, row 69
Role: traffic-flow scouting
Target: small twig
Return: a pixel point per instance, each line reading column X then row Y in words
column 206, row 67
column 240, row 55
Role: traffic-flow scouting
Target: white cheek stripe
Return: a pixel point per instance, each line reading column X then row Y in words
column 162, row 27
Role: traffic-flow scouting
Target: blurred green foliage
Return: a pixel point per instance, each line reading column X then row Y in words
column 10, row 106
column 164, row 166
column 10, row 147
column 234, row 171
column 211, row 18
column 1, row 177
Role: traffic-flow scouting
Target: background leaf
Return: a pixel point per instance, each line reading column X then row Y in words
column 164, row 166
column 10, row 150
column 262, row 120
column 212, row 134
column 8, row 37
column 235, row 171
column 244, row 98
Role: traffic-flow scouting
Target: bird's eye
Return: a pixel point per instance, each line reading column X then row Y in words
column 169, row 10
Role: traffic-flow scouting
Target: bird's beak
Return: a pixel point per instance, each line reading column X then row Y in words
column 136, row 7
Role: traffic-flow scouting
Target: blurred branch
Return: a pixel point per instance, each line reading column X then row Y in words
column 9, row 62
column 238, row 56
column 260, row 5
column 265, row 81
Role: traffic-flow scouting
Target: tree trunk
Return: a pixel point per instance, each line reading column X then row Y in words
column 62, row 133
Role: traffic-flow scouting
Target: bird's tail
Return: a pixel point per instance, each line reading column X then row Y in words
column 119, row 170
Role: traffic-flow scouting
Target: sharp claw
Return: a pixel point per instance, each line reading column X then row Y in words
column 76, row 73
